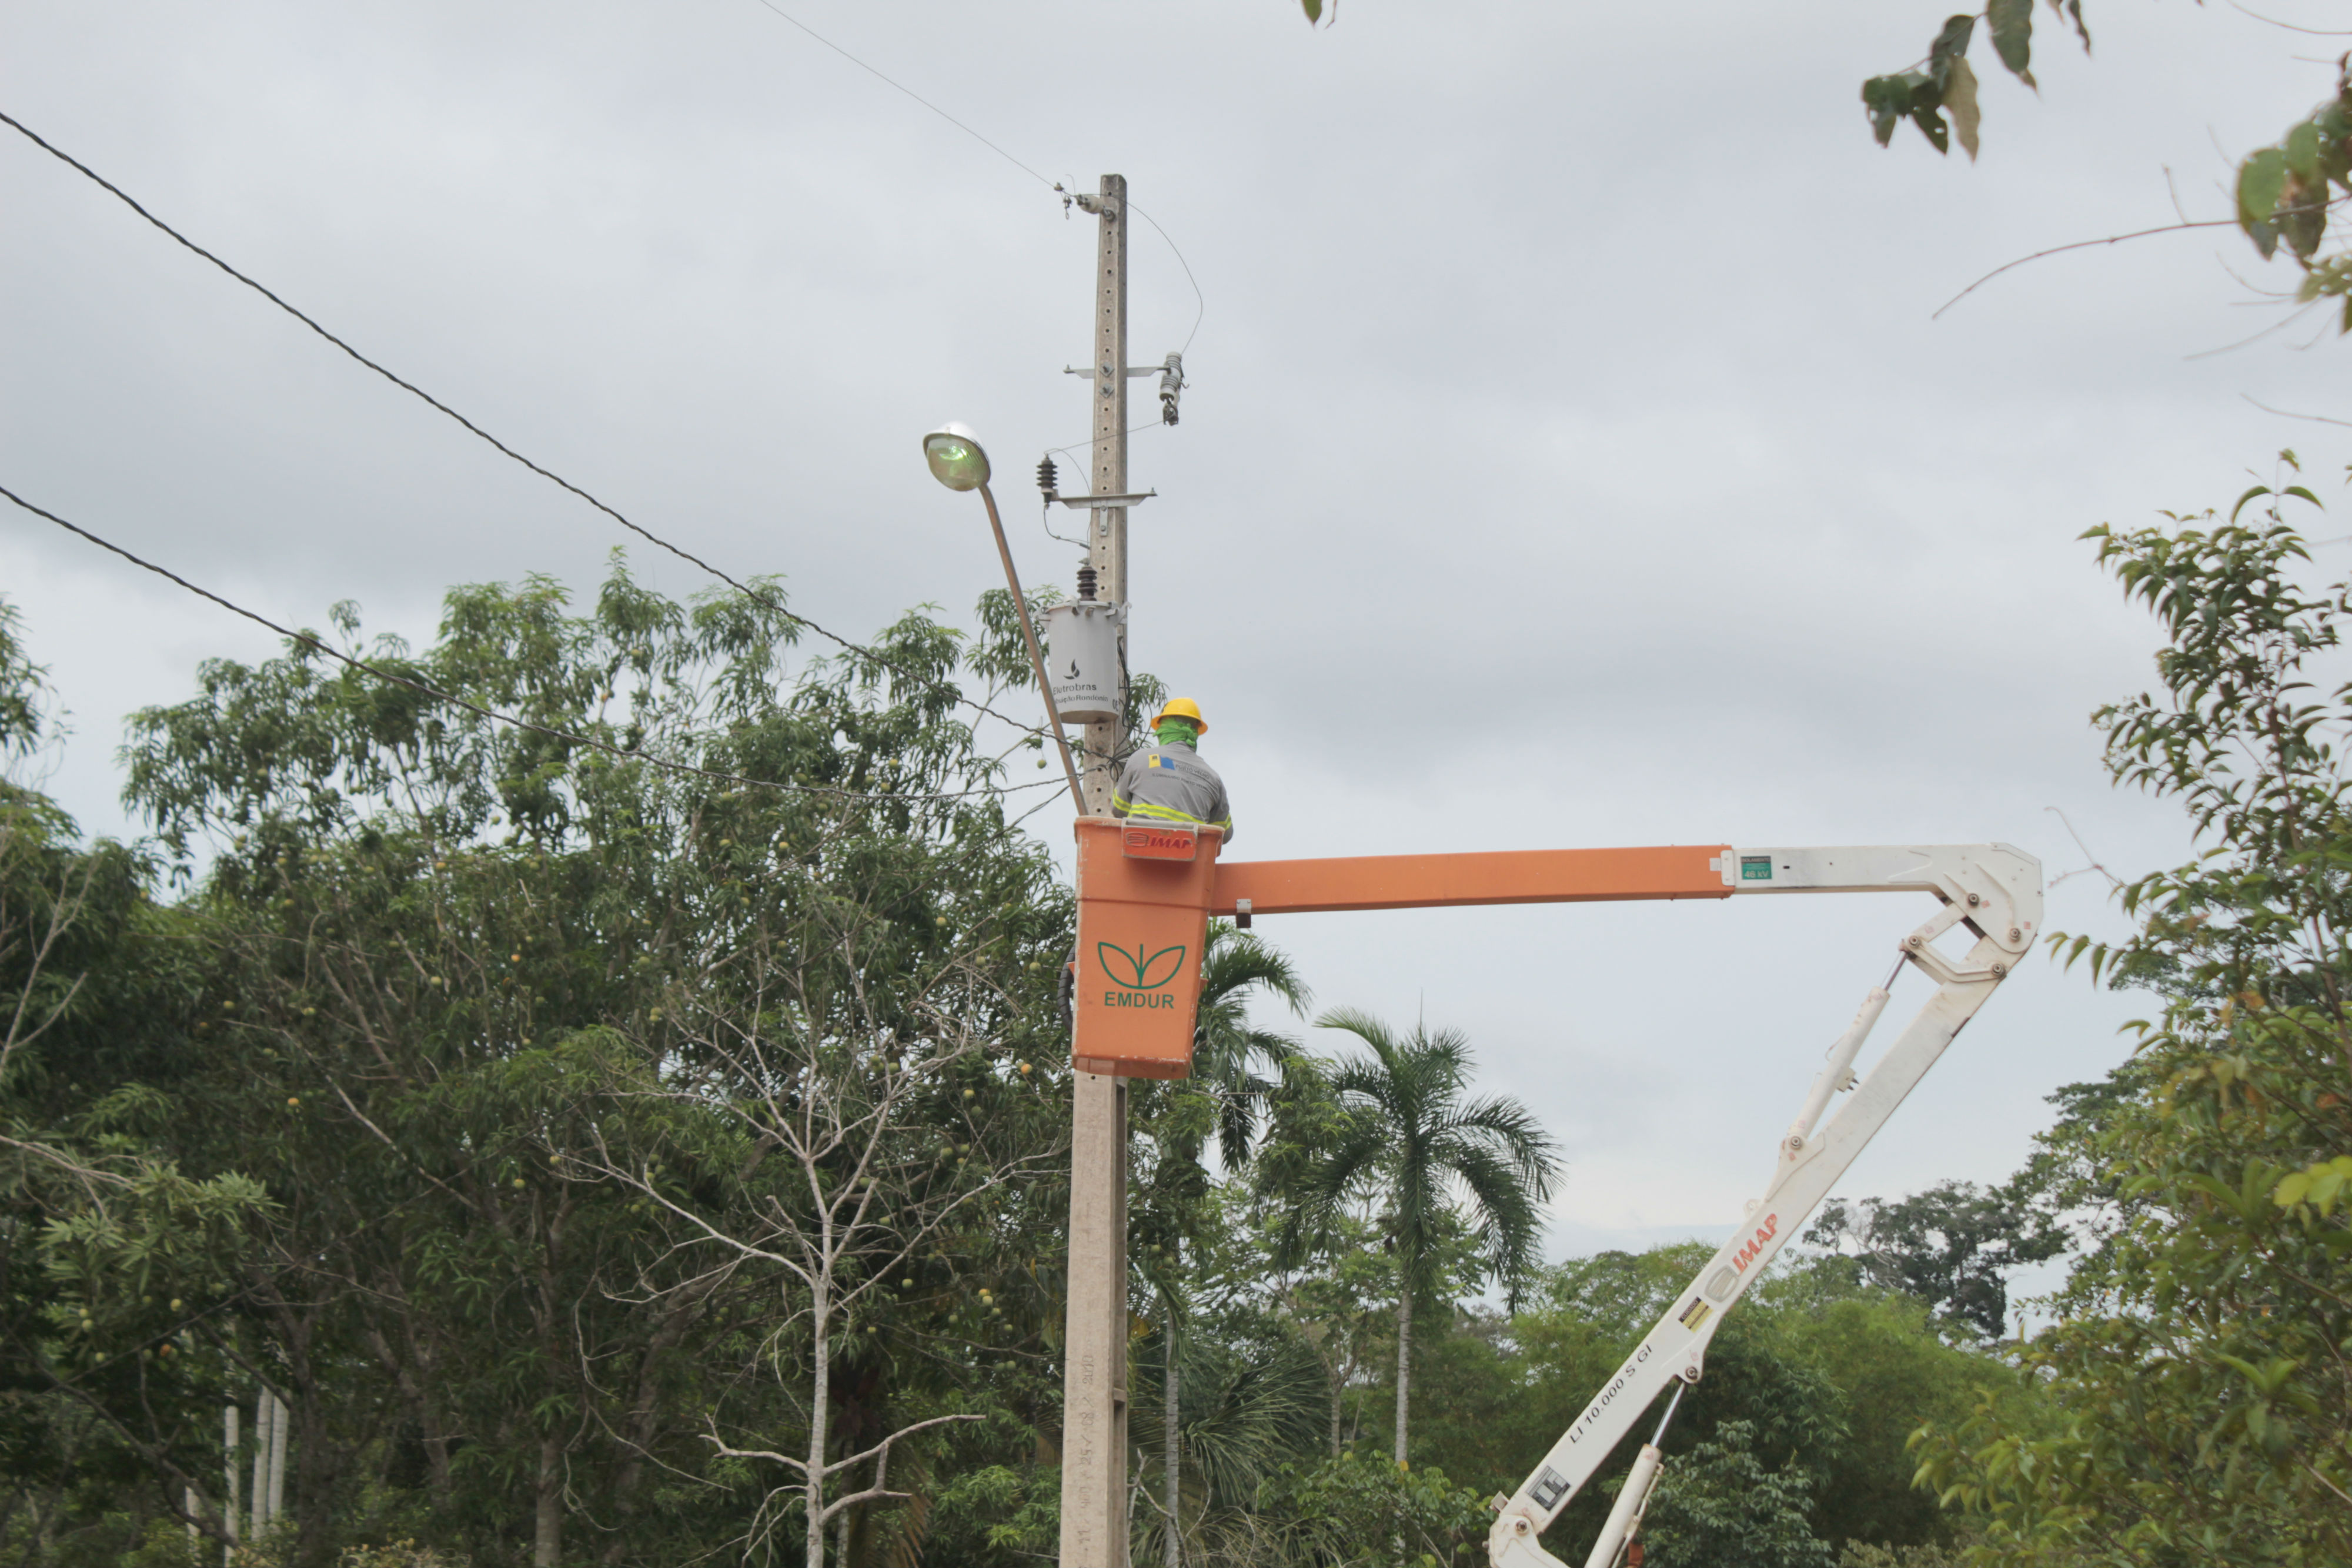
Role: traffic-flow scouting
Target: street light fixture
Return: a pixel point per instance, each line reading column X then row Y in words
column 957, row 460
column 961, row 462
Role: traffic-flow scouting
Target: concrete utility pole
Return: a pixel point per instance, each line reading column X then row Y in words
column 1106, row 543
column 1094, row 1378
column 229, row 1445
column 265, row 1426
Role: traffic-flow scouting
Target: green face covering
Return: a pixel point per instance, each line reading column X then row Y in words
column 1176, row 732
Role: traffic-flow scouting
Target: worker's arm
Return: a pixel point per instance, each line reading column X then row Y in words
column 1121, row 801
column 1221, row 814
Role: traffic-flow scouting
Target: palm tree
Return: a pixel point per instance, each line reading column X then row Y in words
column 1226, row 1049
column 1227, row 1052
column 1408, row 1136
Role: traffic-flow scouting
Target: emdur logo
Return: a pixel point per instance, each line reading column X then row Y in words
column 1135, row 972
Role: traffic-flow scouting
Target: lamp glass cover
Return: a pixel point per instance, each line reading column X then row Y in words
column 956, row 460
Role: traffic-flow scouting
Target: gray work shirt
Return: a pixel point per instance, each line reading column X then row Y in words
column 1171, row 784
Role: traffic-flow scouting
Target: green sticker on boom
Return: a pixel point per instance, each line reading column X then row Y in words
column 1756, row 868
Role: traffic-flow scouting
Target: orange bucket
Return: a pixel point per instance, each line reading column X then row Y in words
column 1143, row 921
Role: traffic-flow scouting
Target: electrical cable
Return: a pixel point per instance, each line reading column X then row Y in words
column 1075, row 447
column 910, row 93
column 1200, row 299
column 748, row 593
column 496, row 716
column 1071, row 452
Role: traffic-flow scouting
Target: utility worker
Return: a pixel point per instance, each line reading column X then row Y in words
column 1170, row 783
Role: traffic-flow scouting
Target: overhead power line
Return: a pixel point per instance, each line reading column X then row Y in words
column 1200, row 299
column 511, row 720
column 910, row 93
column 743, row 588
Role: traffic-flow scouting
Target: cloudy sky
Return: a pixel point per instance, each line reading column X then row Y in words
column 1570, row 457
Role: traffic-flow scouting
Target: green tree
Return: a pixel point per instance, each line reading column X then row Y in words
column 2202, row 1400
column 1240, row 1066
column 1409, row 1137
column 1721, row 1506
column 437, row 985
column 1829, row 1372
column 103, row 1235
column 23, row 688
column 1950, row 1246
column 1353, row 1511
column 1238, row 1071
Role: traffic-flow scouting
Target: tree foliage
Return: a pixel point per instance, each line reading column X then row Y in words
column 1407, row 1138
column 2285, row 193
column 1951, row 1246
column 615, row 1158
column 1723, row 1503
column 2197, row 1386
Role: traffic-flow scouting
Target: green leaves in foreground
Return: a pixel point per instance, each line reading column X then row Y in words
column 1946, row 81
column 2321, row 1186
column 2285, row 193
column 2202, row 1400
column 2011, row 22
column 1920, row 96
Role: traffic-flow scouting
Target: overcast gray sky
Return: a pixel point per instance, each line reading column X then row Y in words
column 1570, row 457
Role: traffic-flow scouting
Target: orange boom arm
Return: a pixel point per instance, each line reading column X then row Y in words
column 1507, row 876
column 1146, row 893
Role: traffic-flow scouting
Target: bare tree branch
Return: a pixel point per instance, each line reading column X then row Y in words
column 2081, row 245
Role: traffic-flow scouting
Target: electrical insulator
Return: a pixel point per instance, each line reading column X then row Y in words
column 1047, row 479
column 1171, row 384
column 1086, row 584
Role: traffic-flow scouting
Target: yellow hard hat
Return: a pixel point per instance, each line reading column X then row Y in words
column 1184, row 708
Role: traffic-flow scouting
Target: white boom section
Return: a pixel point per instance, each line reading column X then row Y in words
column 1995, row 891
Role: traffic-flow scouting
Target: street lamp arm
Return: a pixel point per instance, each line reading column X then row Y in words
column 1036, row 655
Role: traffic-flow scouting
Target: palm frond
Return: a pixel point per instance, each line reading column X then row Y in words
column 1412, row 1136
column 1237, row 961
